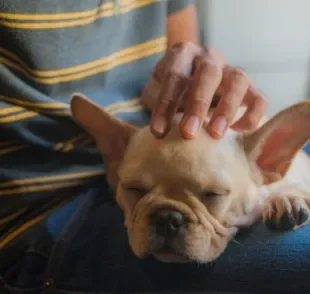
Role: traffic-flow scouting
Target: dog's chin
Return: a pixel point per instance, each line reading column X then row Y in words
column 169, row 256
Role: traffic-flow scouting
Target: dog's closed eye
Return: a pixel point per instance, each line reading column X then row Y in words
column 207, row 194
column 137, row 190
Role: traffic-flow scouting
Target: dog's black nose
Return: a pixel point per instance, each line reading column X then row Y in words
column 168, row 222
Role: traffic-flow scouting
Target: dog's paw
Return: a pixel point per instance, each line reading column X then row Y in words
column 285, row 212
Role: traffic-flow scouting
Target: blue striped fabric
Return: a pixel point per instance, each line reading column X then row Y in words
column 103, row 49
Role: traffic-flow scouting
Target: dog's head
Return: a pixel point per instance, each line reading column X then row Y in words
column 177, row 195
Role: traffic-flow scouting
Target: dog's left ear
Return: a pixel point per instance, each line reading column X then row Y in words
column 111, row 135
column 274, row 145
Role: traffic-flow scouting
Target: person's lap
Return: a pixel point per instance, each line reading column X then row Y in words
column 92, row 254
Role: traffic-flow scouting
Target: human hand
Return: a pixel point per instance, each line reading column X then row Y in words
column 188, row 77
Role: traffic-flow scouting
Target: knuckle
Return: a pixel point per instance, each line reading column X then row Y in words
column 173, row 74
column 182, row 57
column 214, row 53
column 238, row 74
column 210, row 66
column 251, row 121
column 260, row 105
column 228, row 109
column 211, row 51
column 184, row 46
column 159, row 68
column 164, row 101
column 262, row 102
column 181, row 46
column 227, row 105
column 202, row 102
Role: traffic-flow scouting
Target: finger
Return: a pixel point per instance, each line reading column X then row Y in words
column 170, row 97
column 206, row 79
column 256, row 109
column 167, row 62
column 235, row 84
column 216, row 55
column 178, row 68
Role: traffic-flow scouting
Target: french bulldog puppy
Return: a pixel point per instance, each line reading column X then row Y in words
column 183, row 200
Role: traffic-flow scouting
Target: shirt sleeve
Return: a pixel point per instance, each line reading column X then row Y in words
column 177, row 5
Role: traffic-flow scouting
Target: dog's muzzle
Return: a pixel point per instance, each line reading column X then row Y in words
column 168, row 223
column 167, row 231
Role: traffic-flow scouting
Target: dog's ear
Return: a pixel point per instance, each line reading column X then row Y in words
column 274, row 145
column 111, row 135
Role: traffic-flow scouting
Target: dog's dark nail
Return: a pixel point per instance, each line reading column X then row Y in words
column 271, row 223
column 303, row 215
column 287, row 222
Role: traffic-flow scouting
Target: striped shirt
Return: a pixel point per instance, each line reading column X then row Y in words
column 103, row 49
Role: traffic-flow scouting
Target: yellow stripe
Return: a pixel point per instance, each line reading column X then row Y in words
column 16, row 117
column 132, row 105
column 20, row 112
column 68, row 146
column 12, row 216
column 56, row 105
column 48, row 105
column 128, row 110
column 8, row 110
column 90, row 65
column 113, row 109
column 40, row 188
column 85, row 142
column 44, row 179
column 55, row 25
column 28, row 224
column 12, row 149
column 30, row 114
column 55, row 16
column 79, row 22
column 137, row 5
column 5, row 144
column 64, row 145
column 82, row 75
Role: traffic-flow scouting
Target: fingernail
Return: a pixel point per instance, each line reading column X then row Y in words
column 159, row 126
column 219, row 125
column 191, row 125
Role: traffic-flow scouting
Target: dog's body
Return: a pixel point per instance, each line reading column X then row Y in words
column 296, row 181
column 183, row 200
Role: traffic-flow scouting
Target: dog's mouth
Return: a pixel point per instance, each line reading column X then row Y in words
column 168, row 254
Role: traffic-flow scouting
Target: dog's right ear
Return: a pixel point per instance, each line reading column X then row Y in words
column 111, row 135
column 272, row 147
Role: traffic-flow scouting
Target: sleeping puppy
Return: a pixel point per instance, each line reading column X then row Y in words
column 183, row 200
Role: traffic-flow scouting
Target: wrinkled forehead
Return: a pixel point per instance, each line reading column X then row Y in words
column 173, row 160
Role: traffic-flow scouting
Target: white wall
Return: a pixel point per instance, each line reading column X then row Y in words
column 270, row 39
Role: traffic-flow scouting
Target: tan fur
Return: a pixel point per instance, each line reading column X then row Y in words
column 175, row 173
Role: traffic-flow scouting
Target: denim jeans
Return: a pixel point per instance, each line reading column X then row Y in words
column 82, row 248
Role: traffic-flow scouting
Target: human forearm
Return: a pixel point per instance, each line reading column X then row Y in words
column 183, row 26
